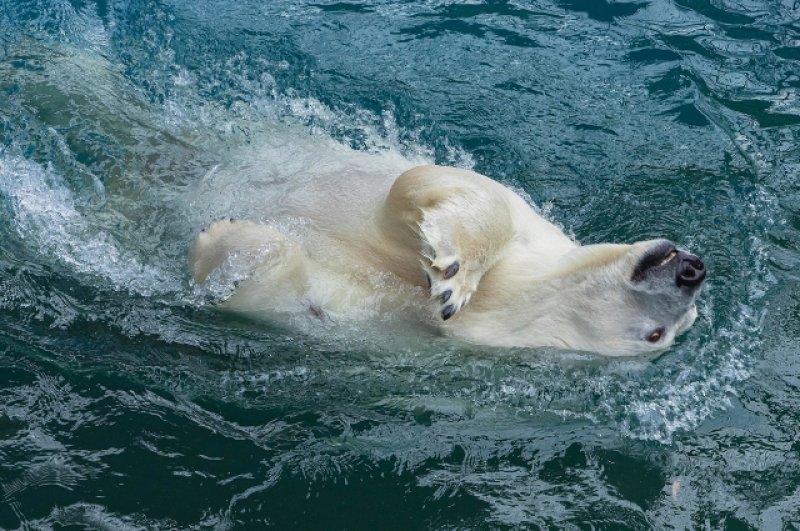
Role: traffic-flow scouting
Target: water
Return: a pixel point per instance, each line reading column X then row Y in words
column 128, row 401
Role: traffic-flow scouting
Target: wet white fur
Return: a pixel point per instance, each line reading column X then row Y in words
column 521, row 281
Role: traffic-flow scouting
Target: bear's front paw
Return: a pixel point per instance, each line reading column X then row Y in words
column 449, row 285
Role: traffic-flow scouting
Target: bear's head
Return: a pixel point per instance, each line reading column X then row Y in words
column 629, row 299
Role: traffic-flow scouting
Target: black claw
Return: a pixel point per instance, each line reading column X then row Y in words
column 451, row 270
column 445, row 296
column 448, row 312
column 430, row 283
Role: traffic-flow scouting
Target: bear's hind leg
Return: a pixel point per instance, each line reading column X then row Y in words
column 215, row 244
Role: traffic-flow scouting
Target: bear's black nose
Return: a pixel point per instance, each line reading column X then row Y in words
column 691, row 271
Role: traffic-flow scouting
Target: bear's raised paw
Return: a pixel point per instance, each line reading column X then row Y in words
column 449, row 285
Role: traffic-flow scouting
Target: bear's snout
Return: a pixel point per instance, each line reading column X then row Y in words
column 691, row 272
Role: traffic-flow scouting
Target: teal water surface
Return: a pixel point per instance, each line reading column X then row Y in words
column 127, row 401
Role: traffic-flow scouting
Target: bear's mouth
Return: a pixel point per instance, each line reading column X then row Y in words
column 663, row 259
column 660, row 256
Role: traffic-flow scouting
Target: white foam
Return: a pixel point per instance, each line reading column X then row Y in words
column 45, row 217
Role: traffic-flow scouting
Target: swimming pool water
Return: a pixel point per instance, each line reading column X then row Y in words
column 128, row 401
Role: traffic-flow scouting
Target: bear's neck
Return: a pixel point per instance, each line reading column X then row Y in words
column 519, row 306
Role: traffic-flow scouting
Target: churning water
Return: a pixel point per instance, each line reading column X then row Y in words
column 128, row 401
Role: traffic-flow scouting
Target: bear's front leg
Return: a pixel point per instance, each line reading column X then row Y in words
column 456, row 222
column 453, row 273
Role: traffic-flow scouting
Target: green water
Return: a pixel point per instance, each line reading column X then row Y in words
column 127, row 401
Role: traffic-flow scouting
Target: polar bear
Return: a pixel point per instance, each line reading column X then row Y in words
column 494, row 271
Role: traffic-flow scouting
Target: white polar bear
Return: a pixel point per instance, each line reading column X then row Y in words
column 496, row 271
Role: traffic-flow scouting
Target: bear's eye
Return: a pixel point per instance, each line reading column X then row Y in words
column 655, row 335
